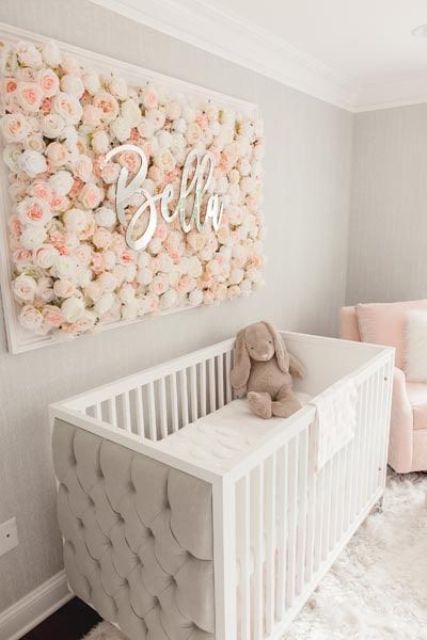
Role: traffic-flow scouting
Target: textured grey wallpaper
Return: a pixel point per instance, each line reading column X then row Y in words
column 388, row 232
column 307, row 170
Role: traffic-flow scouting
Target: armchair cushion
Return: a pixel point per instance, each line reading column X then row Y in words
column 384, row 323
column 417, row 396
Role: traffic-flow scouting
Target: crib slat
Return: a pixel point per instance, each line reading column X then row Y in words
column 126, row 411
column 203, row 392
column 311, row 508
column 193, row 382
column 111, row 410
column 270, row 541
column 220, row 380
column 282, row 504
column 228, row 388
column 174, row 402
column 258, row 520
column 152, row 419
column 302, row 510
column 292, row 520
column 246, row 561
column 327, row 509
column 212, row 389
column 184, row 396
column 163, row 409
column 139, row 412
column 319, row 524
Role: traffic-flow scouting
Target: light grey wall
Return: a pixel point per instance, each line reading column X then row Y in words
column 388, row 229
column 307, row 171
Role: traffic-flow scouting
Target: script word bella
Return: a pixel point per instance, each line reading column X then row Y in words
column 195, row 180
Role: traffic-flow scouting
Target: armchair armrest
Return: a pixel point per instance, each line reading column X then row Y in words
column 402, row 425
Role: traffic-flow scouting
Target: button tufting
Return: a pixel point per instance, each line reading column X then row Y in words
column 120, row 518
column 132, row 487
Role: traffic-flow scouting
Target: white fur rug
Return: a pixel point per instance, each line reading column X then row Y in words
column 377, row 589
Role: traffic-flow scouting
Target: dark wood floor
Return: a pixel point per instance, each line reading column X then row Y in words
column 71, row 622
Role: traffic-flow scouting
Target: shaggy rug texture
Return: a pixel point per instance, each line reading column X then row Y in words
column 377, row 589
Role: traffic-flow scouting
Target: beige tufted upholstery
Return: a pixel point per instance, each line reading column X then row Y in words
column 137, row 538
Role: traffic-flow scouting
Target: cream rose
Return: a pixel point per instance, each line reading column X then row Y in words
column 105, row 302
column 72, row 309
column 64, row 288
column 61, row 182
column 72, row 85
column 100, row 142
column 32, row 163
column 28, row 55
column 105, row 217
column 31, row 318
column 57, row 154
column 194, row 133
column 51, row 54
column 45, row 256
column 14, row 127
column 118, row 88
column 24, row 288
column 91, row 115
column 120, row 129
column 83, row 168
column 32, row 237
column 91, row 82
column 75, row 220
column 11, row 155
column 53, row 316
column 68, row 107
column 131, row 113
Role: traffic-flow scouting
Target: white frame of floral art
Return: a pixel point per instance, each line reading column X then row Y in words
column 19, row 339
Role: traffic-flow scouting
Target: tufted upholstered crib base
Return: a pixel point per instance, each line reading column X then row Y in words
column 222, row 537
column 137, row 537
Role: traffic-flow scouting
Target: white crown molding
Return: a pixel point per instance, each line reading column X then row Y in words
column 34, row 607
column 207, row 27
column 392, row 91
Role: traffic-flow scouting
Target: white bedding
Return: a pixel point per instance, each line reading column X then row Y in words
column 218, row 440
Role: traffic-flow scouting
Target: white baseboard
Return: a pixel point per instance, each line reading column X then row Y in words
column 34, row 607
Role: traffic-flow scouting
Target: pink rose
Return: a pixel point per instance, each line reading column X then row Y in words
column 45, row 256
column 49, row 82
column 91, row 115
column 194, row 133
column 102, row 238
column 57, row 154
column 14, row 127
column 185, row 284
column 68, row 107
column 64, row 288
column 53, row 316
column 31, row 318
column 108, row 106
column 34, row 211
column 91, row 196
column 150, row 98
column 24, row 288
column 160, row 284
column 29, row 96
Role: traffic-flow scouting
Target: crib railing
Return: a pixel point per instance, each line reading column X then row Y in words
column 159, row 401
column 289, row 521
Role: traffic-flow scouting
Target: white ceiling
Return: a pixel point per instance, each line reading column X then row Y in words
column 359, row 54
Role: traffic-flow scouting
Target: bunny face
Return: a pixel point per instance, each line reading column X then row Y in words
column 259, row 342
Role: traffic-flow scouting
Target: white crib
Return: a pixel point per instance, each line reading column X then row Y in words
column 277, row 524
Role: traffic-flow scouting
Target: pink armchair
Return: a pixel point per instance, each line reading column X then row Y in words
column 408, row 430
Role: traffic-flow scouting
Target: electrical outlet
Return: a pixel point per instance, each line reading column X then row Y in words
column 8, row 536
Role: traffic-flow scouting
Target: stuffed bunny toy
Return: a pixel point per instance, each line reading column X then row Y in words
column 263, row 371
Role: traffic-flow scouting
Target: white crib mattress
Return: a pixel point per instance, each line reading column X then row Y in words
column 219, row 440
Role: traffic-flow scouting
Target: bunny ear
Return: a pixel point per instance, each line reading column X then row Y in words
column 242, row 363
column 282, row 355
column 296, row 368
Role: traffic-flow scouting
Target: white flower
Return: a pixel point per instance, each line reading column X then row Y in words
column 195, row 297
column 61, row 182
column 130, row 310
column 195, row 267
column 83, row 168
column 45, row 256
column 105, row 217
column 72, row 309
column 32, row 163
column 165, row 139
column 119, row 88
column 11, row 155
column 100, row 142
column 107, row 104
column 24, row 288
column 75, row 220
column 120, row 129
column 33, row 237
column 165, row 160
column 127, row 293
column 28, row 55
column 31, row 318
column 65, row 267
column 131, row 113
column 70, row 64
column 49, row 82
column 68, row 107
column 70, row 136
column 91, row 82
column 104, row 303
column 51, row 54
column 72, row 85
column 14, row 127
column 34, row 211
column 168, row 299
column 29, row 96
column 236, row 276
column 146, row 128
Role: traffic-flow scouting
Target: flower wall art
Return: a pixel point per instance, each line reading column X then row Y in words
column 124, row 198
